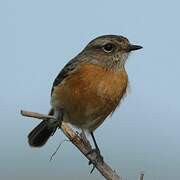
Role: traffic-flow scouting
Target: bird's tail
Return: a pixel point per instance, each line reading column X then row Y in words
column 41, row 133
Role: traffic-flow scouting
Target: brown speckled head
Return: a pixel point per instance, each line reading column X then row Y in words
column 110, row 51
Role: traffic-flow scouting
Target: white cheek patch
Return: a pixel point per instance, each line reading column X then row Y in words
column 120, row 59
column 124, row 57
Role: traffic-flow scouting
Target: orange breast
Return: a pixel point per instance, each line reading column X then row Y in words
column 89, row 94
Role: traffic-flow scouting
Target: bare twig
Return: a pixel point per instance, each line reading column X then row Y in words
column 141, row 177
column 82, row 145
column 54, row 153
column 36, row 115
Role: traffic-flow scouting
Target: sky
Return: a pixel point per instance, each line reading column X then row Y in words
column 37, row 38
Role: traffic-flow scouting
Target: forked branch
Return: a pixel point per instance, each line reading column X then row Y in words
column 83, row 146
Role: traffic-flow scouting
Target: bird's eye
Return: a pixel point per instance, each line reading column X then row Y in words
column 108, row 47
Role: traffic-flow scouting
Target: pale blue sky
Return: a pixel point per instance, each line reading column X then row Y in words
column 37, row 38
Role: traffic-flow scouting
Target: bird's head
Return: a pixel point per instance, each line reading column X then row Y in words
column 111, row 51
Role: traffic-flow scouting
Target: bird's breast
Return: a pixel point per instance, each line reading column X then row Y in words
column 89, row 94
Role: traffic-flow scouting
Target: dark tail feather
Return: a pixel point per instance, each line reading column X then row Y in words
column 40, row 134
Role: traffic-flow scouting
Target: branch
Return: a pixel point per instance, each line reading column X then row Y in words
column 83, row 146
column 141, row 177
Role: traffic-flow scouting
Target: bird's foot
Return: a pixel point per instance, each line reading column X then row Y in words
column 98, row 158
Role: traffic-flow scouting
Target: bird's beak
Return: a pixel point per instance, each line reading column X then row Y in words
column 132, row 47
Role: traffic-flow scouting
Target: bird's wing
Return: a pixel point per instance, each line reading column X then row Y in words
column 68, row 68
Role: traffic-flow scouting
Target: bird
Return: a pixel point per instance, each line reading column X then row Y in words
column 88, row 89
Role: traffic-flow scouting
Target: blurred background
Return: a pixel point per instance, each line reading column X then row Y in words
column 37, row 38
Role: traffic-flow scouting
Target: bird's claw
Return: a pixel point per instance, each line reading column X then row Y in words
column 98, row 159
